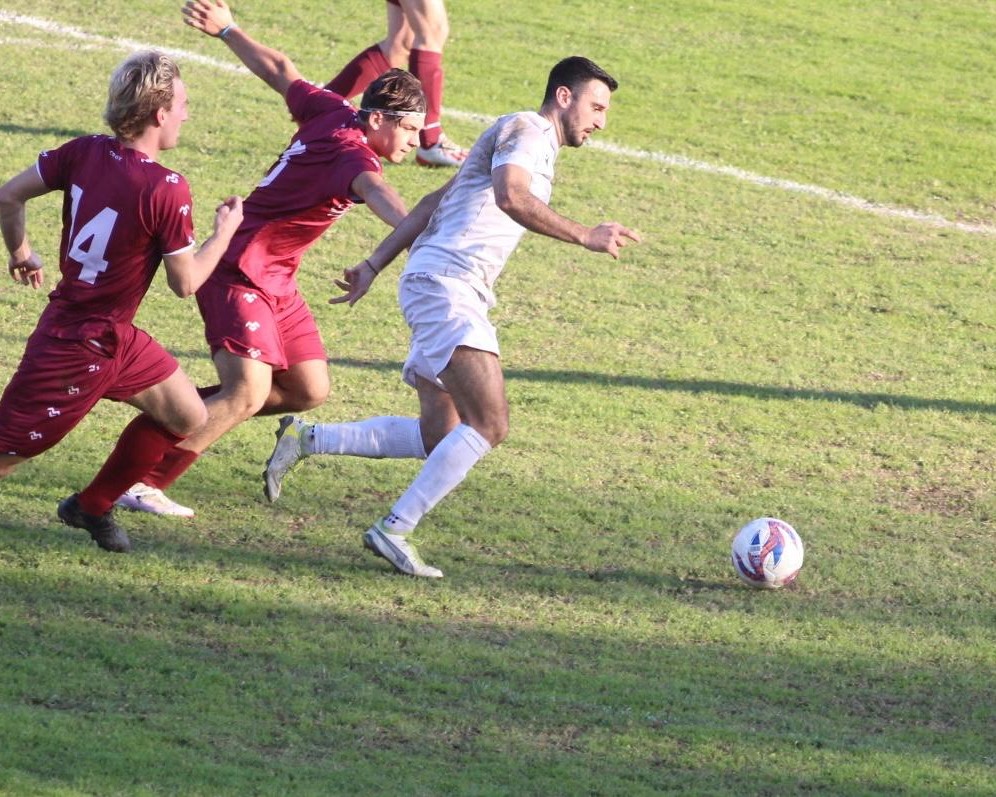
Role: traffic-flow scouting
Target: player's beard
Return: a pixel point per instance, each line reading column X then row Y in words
column 574, row 133
column 576, row 137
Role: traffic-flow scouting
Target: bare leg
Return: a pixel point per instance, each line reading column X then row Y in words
column 301, row 387
column 397, row 44
column 392, row 51
column 430, row 29
column 476, row 389
column 245, row 386
column 428, row 22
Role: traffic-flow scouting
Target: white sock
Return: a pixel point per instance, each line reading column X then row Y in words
column 444, row 469
column 387, row 436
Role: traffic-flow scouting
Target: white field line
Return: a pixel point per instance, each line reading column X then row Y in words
column 38, row 44
column 676, row 161
column 69, row 32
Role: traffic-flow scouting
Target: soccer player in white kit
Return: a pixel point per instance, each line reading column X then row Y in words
column 463, row 235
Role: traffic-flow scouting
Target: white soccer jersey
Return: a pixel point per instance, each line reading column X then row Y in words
column 469, row 236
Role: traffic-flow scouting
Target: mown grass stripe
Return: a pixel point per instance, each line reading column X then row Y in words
column 668, row 159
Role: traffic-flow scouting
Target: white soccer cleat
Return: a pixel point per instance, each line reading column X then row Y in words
column 443, row 153
column 286, row 454
column 399, row 552
column 142, row 497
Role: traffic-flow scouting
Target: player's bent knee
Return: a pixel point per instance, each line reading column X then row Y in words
column 494, row 430
column 498, row 433
column 307, row 398
column 188, row 423
column 236, row 406
column 435, row 32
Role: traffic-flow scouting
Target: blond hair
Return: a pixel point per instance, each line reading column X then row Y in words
column 140, row 86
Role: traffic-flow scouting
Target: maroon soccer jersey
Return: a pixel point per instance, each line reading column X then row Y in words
column 305, row 191
column 121, row 213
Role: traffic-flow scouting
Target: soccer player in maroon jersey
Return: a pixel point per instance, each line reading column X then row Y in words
column 264, row 340
column 122, row 214
column 417, row 31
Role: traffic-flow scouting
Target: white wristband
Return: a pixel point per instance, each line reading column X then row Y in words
column 223, row 33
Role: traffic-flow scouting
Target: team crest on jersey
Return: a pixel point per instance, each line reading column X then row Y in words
column 53, row 412
column 252, row 326
column 250, row 297
column 338, row 208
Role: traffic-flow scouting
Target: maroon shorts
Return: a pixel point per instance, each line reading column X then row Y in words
column 248, row 322
column 59, row 381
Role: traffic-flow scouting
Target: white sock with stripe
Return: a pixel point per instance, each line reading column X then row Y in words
column 447, row 466
column 387, row 436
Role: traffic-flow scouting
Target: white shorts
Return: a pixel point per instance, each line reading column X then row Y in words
column 442, row 313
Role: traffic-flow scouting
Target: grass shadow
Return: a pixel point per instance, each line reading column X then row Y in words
column 211, row 688
column 57, row 132
column 714, row 387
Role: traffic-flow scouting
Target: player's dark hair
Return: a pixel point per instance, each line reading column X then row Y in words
column 574, row 72
column 395, row 90
column 140, row 86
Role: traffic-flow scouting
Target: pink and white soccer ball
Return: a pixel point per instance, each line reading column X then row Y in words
column 767, row 553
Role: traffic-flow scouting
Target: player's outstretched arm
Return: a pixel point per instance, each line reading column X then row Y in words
column 382, row 199
column 24, row 265
column 356, row 281
column 512, row 194
column 214, row 18
column 188, row 270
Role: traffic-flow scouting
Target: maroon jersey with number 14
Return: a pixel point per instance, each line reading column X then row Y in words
column 121, row 213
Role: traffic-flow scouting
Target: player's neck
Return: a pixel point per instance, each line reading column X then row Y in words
column 551, row 115
column 147, row 144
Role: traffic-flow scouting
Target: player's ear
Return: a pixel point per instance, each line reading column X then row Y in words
column 564, row 96
column 375, row 120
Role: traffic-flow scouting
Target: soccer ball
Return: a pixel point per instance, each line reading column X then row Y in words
column 767, row 553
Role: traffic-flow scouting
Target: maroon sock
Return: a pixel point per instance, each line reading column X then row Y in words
column 173, row 465
column 358, row 73
column 141, row 447
column 176, row 461
column 427, row 66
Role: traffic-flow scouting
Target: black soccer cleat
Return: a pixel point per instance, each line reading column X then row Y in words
column 105, row 532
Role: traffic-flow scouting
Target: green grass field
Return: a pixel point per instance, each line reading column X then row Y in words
column 808, row 331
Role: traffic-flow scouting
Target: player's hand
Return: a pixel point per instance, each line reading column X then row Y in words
column 610, row 237
column 209, row 16
column 27, row 272
column 228, row 216
column 356, row 281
